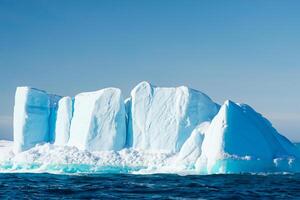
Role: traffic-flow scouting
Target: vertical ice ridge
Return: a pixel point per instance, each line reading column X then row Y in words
column 63, row 121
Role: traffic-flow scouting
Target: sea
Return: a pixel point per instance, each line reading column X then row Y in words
column 156, row 186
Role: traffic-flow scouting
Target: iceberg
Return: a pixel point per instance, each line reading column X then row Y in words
column 163, row 118
column 155, row 130
column 63, row 121
column 241, row 140
column 99, row 121
column 31, row 118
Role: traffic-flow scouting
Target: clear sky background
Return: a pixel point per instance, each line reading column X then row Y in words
column 247, row 51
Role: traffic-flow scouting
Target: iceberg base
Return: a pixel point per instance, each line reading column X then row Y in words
column 50, row 158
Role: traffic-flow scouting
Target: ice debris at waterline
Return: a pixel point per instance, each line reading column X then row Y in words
column 155, row 130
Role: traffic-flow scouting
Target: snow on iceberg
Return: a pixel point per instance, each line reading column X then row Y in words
column 31, row 118
column 99, row 121
column 69, row 159
column 163, row 118
column 63, row 120
column 241, row 140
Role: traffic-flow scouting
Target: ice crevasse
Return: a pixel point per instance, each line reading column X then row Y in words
column 156, row 129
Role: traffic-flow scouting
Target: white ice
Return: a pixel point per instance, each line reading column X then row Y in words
column 63, row 121
column 163, row 118
column 99, row 121
column 239, row 139
column 191, row 149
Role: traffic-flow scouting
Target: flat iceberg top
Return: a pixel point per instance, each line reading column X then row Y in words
column 28, row 88
column 31, row 97
column 95, row 94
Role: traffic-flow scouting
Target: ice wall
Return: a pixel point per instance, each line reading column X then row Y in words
column 99, row 121
column 31, row 118
column 63, row 121
column 163, row 118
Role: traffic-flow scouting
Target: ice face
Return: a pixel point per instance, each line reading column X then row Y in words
column 279, row 144
column 128, row 142
column 54, row 99
column 239, row 137
column 99, row 121
column 31, row 118
column 63, row 121
column 163, row 118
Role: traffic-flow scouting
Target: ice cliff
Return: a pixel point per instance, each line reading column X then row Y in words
column 156, row 129
column 31, row 118
column 99, row 121
column 163, row 118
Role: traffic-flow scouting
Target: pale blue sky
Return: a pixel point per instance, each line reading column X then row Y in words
column 247, row 51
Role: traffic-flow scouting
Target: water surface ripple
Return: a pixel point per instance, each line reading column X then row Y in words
column 157, row 186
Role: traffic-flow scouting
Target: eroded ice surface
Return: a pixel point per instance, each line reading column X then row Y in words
column 191, row 149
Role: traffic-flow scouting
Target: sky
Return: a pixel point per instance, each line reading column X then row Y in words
column 246, row 51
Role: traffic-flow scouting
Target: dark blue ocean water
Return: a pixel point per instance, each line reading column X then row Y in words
column 159, row 186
